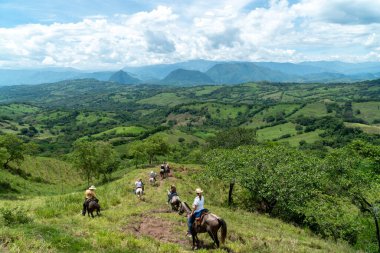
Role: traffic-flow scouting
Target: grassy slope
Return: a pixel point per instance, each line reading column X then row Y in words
column 122, row 130
column 373, row 129
column 57, row 225
column 309, row 137
column 270, row 133
column 258, row 119
column 41, row 176
column 165, row 99
column 369, row 111
column 317, row 109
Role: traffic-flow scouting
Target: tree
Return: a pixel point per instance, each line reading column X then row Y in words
column 224, row 162
column 354, row 171
column 13, row 149
column 226, row 165
column 108, row 160
column 279, row 180
column 155, row 146
column 138, row 151
column 233, row 138
column 84, row 158
column 3, row 155
column 94, row 159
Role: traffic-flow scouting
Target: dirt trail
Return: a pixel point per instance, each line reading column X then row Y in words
column 159, row 229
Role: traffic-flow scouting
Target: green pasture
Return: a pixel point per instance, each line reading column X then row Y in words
column 204, row 90
column 270, row 133
column 369, row 111
column 317, row 109
column 122, row 130
column 259, row 119
column 220, row 111
column 17, row 110
column 39, row 175
column 370, row 129
column 172, row 136
column 204, row 134
column 164, row 99
column 309, row 137
column 91, row 117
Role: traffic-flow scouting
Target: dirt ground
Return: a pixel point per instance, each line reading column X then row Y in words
column 159, row 229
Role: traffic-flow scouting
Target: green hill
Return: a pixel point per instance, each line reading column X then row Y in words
column 54, row 224
column 240, row 72
column 187, row 77
column 123, row 78
column 39, row 175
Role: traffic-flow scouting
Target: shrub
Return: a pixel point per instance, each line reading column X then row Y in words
column 14, row 216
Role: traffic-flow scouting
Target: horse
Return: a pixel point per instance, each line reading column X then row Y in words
column 167, row 170
column 139, row 192
column 152, row 181
column 92, row 206
column 174, row 202
column 210, row 224
column 163, row 172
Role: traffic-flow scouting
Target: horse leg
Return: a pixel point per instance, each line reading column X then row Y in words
column 211, row 235
column 193, row 235
column 215, row 237
column 92, row 214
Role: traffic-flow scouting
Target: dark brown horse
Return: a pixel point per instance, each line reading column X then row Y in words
column 210, row 224
column 92, row 206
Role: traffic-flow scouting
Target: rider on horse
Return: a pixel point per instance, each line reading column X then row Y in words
column 167, row 168
column 198, row 207
column 89, row 195
column 153, row 175
column 172, row 193
column 139, row 184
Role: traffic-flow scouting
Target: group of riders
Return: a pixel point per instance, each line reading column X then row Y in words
column 197, row 207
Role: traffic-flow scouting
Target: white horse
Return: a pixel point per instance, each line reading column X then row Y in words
column 152, row 181
column 139, row 192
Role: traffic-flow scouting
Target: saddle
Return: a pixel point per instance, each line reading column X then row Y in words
column 199, row 220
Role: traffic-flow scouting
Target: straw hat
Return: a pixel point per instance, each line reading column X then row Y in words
column 198, row 190
column 92, row 187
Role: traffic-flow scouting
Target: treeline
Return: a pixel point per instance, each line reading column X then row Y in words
column 335, row 196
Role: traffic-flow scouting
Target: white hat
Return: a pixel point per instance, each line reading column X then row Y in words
column 198, row 190
column 92, row 187
column 152, row 171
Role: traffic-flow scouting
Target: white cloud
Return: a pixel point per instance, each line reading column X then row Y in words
column 215, row 30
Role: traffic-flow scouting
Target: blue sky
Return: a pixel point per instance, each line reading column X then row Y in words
column 98, row 34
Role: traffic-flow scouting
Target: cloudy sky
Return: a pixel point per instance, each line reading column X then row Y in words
column 99, row 34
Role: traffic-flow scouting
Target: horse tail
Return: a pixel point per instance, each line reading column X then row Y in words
column 224, row 230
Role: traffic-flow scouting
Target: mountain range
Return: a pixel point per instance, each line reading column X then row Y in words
column 196, row 72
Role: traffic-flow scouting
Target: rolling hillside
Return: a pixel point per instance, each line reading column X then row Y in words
column 54, row 224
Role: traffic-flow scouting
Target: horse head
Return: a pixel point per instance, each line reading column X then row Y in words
column 183, row 207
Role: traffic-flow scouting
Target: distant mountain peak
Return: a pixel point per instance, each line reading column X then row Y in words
column 123, row 77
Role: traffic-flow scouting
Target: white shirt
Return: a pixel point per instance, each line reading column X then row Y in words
column 138, row 184
column 199, row 203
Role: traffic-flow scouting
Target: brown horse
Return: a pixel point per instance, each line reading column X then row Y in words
column 92, row 206
column 210, row 224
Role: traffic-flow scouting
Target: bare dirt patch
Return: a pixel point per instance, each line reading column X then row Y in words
column 159, row 229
